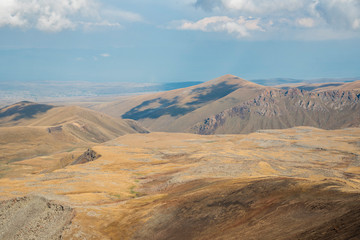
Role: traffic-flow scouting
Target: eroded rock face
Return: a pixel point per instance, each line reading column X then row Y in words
column 33, row 217
column 88, row 156
column 277, row 109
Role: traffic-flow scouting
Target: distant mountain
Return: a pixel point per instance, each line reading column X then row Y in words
column 31, row 129
column 178, row 110
column 279, row 109
column 279, row 81
column 276, row 81
column 229, row 104
column 320, row 87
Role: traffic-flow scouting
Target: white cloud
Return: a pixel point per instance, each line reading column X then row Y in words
column 105, row 55
column 262, row 6
column 238, row 26
column 356, row 23
column 331, row 16
column 121, row 15
column 58, row 15
column 305, row 22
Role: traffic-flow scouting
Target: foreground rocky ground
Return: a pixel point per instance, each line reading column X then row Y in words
column 300, row 183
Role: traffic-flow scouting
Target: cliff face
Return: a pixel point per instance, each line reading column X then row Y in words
column 286, row 108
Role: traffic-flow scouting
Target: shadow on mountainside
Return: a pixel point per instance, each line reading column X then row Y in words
column 24, row 109
column 171, row 107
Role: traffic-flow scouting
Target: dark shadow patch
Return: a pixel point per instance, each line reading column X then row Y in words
column 170, row 107
column 215, row 92
column 277, row 208
column 346, row 226
column 167, row 107
column 24, row 109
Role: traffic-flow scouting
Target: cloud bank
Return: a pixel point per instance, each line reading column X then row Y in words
column 239, row 26
column 55, row 15
column 331, row 17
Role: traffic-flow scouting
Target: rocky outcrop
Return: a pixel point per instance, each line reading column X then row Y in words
column 54, row 129
column 286, row 108
column 33, row 217
column 88, row 156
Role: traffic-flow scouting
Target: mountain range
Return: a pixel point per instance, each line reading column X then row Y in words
column 229, row 104
column 224, row 159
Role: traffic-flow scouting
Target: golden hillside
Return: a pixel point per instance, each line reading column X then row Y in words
column 30, row 129
column 299, row 183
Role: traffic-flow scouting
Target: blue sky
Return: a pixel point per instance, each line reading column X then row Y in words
column 168, row 41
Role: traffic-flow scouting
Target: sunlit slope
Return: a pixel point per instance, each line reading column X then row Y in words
column 24, row 135
column 299, row 183
column 87, row 124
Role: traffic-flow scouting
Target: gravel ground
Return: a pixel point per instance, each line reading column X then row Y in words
column 33, row 217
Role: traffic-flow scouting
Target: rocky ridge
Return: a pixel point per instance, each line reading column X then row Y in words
column 287, row 108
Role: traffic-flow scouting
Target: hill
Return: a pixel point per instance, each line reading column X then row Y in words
column 16, row 113
column 30, row 129
column 178, row 110
column 278, row 109
column 299, row 183
column 229, row 104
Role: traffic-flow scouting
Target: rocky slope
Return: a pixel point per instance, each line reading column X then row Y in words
column 33, row 217
column 278, row 109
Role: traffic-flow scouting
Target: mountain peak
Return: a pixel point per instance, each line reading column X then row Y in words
column 229, row 76
column 232, row 80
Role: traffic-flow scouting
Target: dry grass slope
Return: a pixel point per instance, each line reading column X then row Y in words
column 299, row 183
column 30, row 130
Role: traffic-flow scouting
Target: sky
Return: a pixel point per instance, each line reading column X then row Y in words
column 178, row 40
